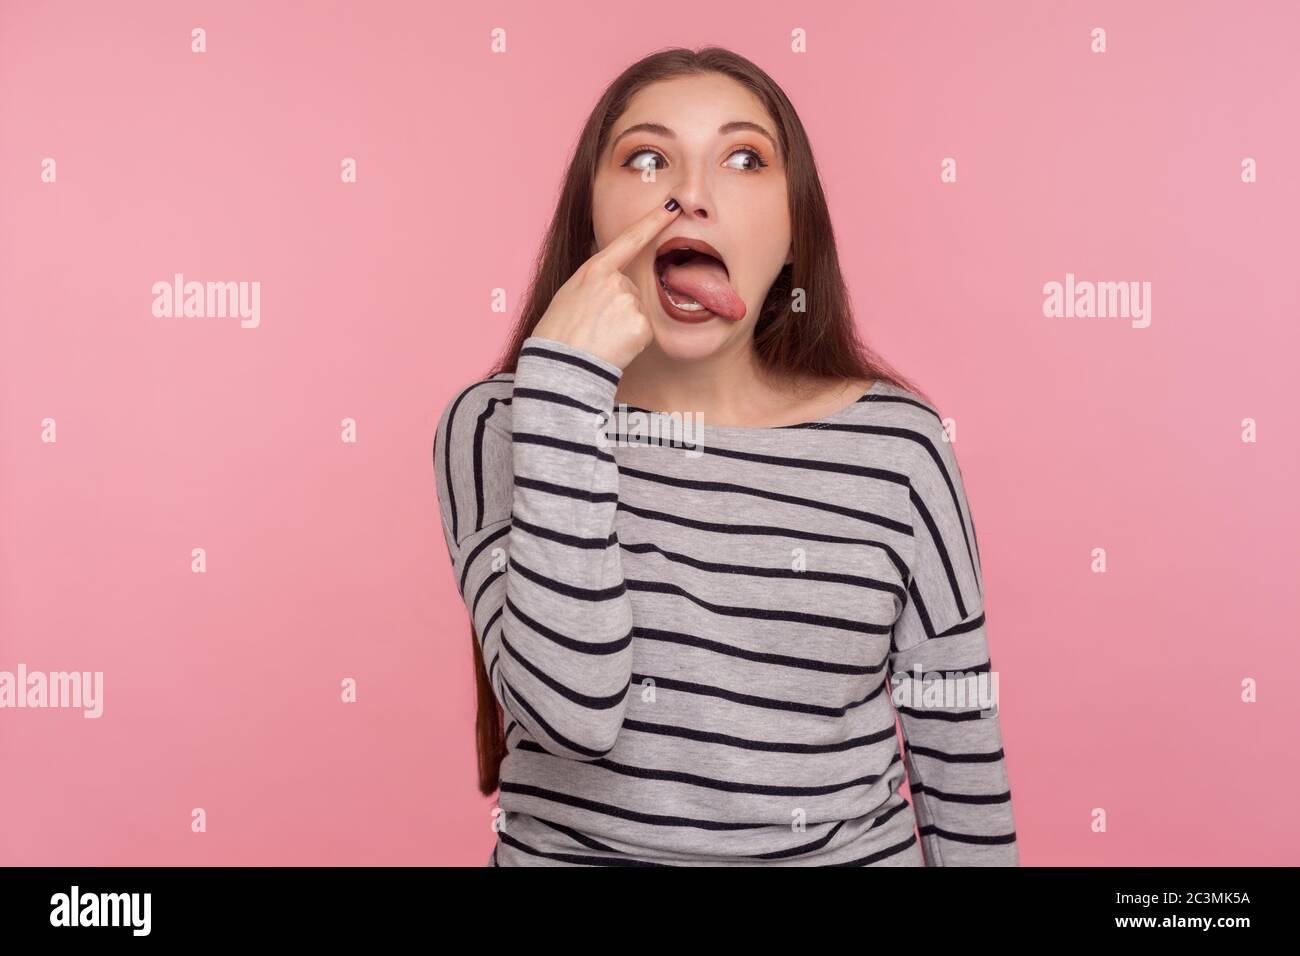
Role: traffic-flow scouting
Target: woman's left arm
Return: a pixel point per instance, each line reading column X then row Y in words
column 956, row 767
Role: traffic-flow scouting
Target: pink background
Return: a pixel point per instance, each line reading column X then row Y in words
column 325, row 560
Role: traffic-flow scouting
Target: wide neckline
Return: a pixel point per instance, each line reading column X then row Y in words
column 829, row 419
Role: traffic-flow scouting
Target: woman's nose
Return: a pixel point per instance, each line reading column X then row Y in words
column 692, row 191
column 692, row 205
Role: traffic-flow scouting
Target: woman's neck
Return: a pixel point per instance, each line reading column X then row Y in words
column 728, row 389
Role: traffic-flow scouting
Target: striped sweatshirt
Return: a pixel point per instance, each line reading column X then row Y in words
column 704, row 639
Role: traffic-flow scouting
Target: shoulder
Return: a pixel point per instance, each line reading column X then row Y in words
column 915, row 439
column 932, row 467
column 902, row 406
column 902, row 413
column 482, row 404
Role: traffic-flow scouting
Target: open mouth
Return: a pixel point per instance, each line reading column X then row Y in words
column 695, row 279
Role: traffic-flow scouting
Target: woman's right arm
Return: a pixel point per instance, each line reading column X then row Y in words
column 534, row 552
column 539, row 565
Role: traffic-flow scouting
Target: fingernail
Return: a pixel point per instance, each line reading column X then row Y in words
column 671, row 205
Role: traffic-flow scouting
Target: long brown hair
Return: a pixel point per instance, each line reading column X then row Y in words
column 819, row 343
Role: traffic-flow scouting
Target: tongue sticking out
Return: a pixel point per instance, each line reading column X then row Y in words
column 705, row 280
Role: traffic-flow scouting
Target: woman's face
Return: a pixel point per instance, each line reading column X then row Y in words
column 710, row 149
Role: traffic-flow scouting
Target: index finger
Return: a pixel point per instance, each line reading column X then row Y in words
column 623, row 247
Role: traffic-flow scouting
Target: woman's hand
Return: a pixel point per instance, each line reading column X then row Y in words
column 599, row 309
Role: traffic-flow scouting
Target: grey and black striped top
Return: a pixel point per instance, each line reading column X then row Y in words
column 692, row 630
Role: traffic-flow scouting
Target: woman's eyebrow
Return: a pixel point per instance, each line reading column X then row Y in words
column 661, row 130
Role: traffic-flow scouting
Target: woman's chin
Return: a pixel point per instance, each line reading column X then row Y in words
column 687, row 341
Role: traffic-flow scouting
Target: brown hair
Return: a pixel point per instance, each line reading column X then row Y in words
column 820, row 343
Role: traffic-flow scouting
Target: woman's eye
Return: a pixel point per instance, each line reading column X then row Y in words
column 751, row 159
column 641, row 165
column 756, row 163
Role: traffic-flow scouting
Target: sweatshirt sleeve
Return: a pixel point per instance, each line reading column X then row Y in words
column 953, row 744
column 529, row 523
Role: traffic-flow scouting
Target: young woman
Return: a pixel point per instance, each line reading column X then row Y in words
column 710, row 545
